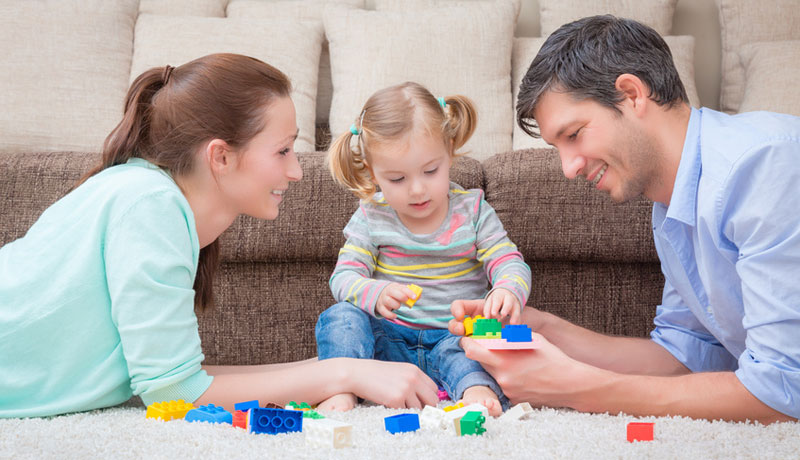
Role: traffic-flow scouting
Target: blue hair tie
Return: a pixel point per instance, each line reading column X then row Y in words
column 354, row 130
column 442, row 102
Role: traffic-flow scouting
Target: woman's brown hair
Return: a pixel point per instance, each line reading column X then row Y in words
column 171, row 111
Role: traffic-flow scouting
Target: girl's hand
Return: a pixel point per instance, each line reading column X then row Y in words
column 392, row 297
column 500, row 304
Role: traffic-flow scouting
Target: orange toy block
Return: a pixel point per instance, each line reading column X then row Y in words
column 640, row 431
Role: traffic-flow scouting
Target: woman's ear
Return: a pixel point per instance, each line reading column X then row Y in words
column 218, row 156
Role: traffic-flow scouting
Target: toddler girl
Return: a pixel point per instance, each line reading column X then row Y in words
column 421, row 229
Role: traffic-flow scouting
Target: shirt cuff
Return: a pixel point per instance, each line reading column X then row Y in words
column 695, row 353
column 776, row 386
column 189, row 389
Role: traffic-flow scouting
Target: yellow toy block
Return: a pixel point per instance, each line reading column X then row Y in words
column 417, row 292
column 453, row 407
column 469, row 323
column 168, row 410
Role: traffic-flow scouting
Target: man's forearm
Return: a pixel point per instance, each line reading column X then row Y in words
column 625, row 355
column 717, row 395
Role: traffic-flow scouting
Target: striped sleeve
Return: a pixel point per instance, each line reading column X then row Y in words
column 501, row 259
column 352, row 280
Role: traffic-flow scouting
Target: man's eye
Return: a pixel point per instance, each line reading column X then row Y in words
column 574, row 135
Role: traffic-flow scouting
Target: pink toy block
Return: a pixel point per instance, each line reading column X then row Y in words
column 503, row 344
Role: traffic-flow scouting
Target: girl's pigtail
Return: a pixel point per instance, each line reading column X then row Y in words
column 460, row 121
column 349, row 168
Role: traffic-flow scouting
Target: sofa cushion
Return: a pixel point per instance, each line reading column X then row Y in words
column 207, row 8
column 292, row 47
column 655, row 13
column 745, row 21
column 65, row 72
column 322, row 206
column 292, row 10
column 530, row 194
column 771, row 70
column 413, row 5
column 467, row 50
column 526, row 49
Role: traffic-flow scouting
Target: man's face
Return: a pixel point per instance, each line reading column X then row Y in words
column 607, row 148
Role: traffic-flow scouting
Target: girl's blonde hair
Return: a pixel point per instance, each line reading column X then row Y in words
column 389, row 116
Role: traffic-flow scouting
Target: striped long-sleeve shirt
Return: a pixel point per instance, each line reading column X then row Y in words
column 468, row 254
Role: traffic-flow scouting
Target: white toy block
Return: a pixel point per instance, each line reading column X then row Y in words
column 432, row 418
column 325, row 432
column 517, row 412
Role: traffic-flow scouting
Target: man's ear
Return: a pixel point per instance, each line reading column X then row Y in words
column 635, row 92
column 219, row 156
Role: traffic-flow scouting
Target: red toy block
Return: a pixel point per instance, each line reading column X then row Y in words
column 640, row 431
column 240, row 419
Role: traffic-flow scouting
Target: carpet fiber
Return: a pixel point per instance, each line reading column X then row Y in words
column 124, row 432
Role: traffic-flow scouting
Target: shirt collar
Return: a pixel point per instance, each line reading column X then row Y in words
column 683, row 203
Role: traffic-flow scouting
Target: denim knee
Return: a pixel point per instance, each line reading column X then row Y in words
column 343, row 330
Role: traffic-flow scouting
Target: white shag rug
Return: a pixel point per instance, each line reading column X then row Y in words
column 124, row 432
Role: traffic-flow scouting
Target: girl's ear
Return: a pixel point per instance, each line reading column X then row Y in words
column 218, row 156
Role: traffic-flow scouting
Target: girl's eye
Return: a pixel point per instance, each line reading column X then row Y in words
column 396, row 180
column 284, row 151
column 432, row 171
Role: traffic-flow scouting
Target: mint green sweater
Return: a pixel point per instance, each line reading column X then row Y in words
column 96, row 300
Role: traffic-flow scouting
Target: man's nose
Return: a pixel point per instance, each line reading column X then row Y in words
column 572, row 163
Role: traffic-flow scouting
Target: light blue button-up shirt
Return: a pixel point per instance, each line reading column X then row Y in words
column 729, row 244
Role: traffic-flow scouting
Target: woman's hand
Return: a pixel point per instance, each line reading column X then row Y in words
column 398, row 385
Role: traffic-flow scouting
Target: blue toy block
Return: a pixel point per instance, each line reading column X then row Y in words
column 246, row 405
column 274, row 421
column 209, row 413
column 401, row 423
column 516, row 333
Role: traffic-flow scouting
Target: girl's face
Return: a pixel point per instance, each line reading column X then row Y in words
column 414, row 176
column 266, row 165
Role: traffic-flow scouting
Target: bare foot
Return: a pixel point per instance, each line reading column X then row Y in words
column 341, row 403
column 484, row 396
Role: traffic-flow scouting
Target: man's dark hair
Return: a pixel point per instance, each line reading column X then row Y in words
column 584, row 59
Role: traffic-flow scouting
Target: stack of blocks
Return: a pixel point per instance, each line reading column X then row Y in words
column 496, row 337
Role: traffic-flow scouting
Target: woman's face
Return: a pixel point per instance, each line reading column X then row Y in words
column 266, row 164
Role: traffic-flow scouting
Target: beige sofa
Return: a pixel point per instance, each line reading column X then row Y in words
column 68, row 63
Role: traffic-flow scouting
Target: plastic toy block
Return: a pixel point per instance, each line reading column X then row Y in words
column 432, row 418
column 328, row 433
column 417, row 292
column 503, row 344
column 312, row 414
column 517, row 412
column 168, row 410
column 484, row 326
column 274, row 421
column 401, row 423
column 271, row 405
column 640, row 431
column 442, row 393
column 452, row 416
column 471, row 423
column 246, row 405
column 239, row 419
column 488, row 336
column 453, row 407
column 516, row 333
column 209, row 413
column 469, row 324
column 295, row 406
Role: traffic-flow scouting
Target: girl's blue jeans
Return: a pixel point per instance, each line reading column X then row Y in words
column 344, row 330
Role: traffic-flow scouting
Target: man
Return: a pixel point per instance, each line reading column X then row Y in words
column 726, row 223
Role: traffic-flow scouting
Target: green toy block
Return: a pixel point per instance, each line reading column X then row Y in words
column 487, row 326
column 312, row 414
column 472, row 423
